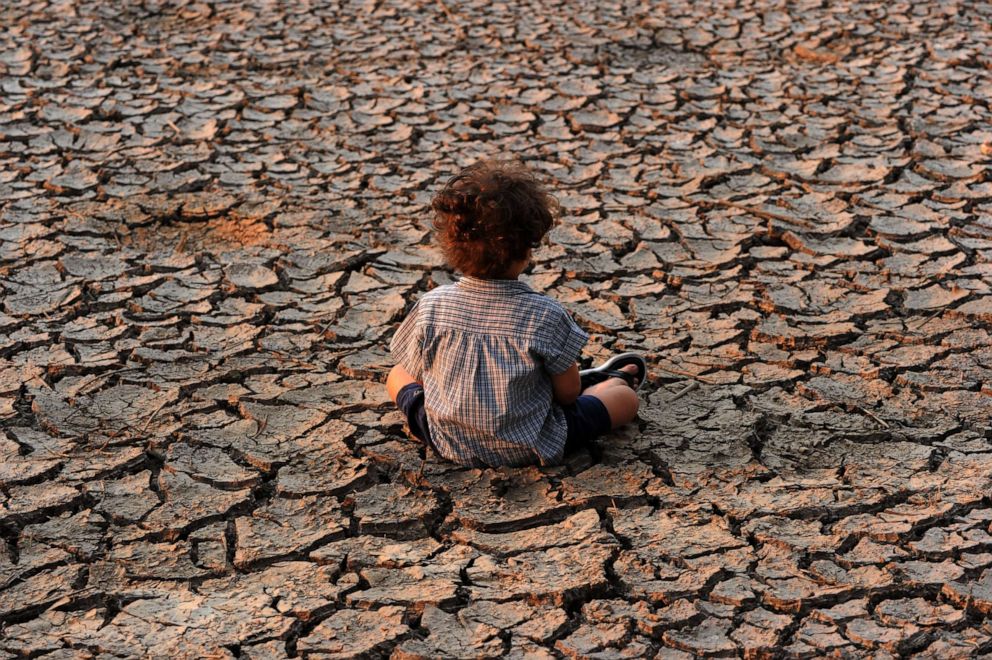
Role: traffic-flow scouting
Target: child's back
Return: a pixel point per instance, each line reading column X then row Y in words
column 484, row 351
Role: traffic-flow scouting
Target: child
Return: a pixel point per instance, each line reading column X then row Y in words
column 486, row 368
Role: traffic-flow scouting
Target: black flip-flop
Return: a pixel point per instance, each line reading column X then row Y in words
column 611, row 369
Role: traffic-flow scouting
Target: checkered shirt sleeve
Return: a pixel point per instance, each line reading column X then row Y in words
column 566, row 343
column 407, row 344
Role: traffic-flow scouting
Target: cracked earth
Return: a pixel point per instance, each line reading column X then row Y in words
column 212, row 218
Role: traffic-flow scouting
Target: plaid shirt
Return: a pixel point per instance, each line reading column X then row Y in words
column 484, row 351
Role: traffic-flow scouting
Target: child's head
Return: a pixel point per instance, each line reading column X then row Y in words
column 490, row 215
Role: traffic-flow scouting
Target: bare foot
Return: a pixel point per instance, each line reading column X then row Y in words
column 614, row 382
column 630, row 369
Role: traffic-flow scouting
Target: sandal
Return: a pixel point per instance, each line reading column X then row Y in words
column 611, row 369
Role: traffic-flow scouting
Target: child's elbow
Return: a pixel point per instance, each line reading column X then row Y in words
column 567, row 386
column 567, row 396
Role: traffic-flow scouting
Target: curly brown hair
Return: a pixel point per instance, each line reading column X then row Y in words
column 489, row 215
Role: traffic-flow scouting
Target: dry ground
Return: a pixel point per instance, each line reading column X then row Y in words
column 212, row 219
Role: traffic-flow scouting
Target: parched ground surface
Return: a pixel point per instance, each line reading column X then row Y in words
column 212, row 219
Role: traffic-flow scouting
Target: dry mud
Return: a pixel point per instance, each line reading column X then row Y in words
column 212, row 219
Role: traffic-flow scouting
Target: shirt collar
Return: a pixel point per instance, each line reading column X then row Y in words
column 493, row 286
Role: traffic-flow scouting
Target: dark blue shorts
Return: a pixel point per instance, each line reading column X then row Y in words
column 410, row 400
column 587, row 418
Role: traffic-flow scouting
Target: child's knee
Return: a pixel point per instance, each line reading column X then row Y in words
column 622, row 404
column 631, row 403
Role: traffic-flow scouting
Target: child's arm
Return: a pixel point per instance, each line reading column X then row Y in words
column 406, row 347
column 398, row 378
column 567, row 385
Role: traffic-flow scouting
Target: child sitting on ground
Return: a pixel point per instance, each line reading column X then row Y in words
column 486, row 368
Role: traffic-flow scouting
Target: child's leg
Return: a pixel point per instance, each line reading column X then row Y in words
column 620, row 400
column 397, row 380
